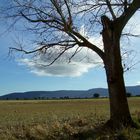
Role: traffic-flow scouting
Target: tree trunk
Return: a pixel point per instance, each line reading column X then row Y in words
column 119, row 110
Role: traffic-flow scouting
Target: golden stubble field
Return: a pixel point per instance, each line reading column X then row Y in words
column 55, row 119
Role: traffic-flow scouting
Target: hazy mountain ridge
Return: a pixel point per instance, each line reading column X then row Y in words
column 135, row 90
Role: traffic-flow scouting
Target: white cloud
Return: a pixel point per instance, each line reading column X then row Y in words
column 62, row 70
column 138, row 82
column 79, row 64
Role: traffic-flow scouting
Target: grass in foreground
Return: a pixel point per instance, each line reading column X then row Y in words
column 62, row 120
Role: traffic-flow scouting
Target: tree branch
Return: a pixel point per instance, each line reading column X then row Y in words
column 45, row 46
column 59, row 11
column 128, row 13
column 131, row 35
column 40, row 20
column 89, row 45
column 110, row 9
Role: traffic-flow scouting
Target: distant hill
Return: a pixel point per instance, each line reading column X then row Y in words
column 135, row 90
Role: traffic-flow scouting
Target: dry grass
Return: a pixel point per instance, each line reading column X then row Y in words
column 62, row 120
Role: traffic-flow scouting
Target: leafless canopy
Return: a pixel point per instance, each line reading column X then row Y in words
column 58, row 22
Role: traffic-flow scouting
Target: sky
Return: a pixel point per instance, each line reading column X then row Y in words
column 20, row 75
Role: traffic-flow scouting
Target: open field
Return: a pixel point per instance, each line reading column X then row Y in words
column 56, row 119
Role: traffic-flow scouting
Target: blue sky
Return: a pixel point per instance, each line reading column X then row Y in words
column 19, row 77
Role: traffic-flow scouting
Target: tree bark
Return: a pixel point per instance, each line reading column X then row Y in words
column 119, row 110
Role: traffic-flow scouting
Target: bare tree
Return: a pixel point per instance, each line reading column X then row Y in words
column 58, row 23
